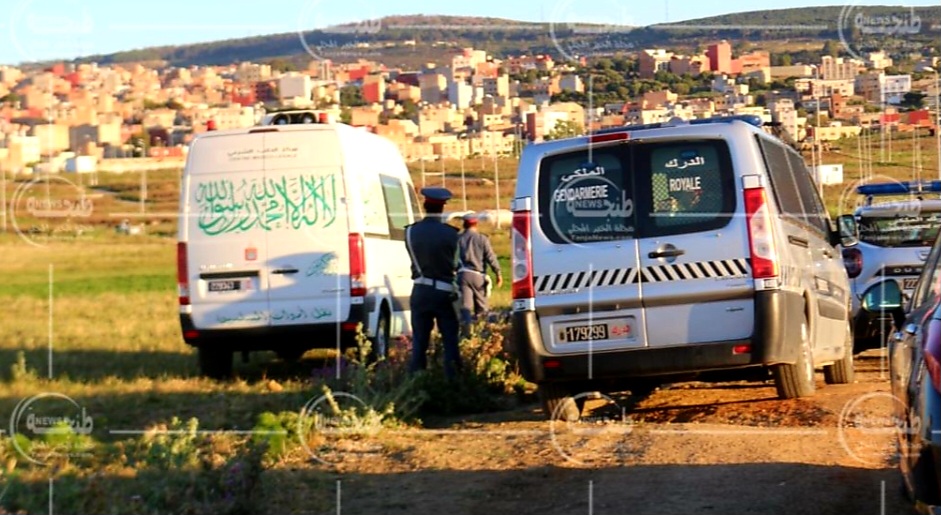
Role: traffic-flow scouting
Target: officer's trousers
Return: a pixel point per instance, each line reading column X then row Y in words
column 429, row 306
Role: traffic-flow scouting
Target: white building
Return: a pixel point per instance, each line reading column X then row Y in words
column 295, row 85
column 838, row 68
column 460, row 94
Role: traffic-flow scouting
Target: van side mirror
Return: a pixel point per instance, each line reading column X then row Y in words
column 847, row 231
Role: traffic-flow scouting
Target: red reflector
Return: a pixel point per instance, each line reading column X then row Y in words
column 323, row 118
column 614, row 136
column 552, row 364
column 349, row 327
column 192, row 334
column 741, row 349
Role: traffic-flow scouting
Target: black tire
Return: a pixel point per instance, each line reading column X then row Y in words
column 290, row 355
column 558, row 403
column 379, row 348
column 797, row 379
column 215, row 363
column 925, row 480
column 842, row 371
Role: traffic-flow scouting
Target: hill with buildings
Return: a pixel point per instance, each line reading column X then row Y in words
column 409, row 41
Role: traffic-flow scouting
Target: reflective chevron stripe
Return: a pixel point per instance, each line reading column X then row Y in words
column 576, row 281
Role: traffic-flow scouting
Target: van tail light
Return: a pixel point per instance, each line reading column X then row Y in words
column 182, row 274
column 357, row 266
column 933, row 350
column 522, row 256
column 853, row 262
column 764, row 255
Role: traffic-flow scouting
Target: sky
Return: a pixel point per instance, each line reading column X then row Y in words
column 36, row 30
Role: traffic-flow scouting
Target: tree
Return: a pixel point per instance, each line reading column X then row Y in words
column 787, row 60
column 914, row 100
column 831, row 48
column 11, row 98
column 282, row 65
column 346, row 116
column 351, row 96
column 565, row 129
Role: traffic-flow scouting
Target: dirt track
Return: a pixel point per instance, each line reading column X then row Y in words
column 690, row 448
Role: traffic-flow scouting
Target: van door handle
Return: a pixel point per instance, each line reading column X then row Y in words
column 285, row 271
column 671, row 253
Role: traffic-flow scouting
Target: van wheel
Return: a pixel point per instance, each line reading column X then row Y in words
column 843, row 371
column 797, row 380
column 380, row 342
column 215, row 363
column 558, row 403
column 290, row 355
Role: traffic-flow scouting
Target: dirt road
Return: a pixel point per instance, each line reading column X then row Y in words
column 690, row 448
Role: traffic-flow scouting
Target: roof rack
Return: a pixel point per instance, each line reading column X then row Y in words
column 750, row 119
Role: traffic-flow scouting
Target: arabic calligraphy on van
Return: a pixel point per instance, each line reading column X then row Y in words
column 281, row 203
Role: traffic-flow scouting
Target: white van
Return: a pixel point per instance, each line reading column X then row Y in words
column 290, row 237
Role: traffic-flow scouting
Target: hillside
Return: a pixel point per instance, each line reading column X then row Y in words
column 434, row 37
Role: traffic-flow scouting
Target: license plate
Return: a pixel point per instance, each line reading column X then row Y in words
column 622, row 329
column 909, row 284
column 224, row 286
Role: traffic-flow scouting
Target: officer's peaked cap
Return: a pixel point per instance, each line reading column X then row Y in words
column 436, row 195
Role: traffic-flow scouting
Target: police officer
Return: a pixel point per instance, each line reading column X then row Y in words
column 432, row 245
column 476, row 255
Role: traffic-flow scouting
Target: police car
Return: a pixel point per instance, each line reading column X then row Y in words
column 646, row 252
column 894, row 239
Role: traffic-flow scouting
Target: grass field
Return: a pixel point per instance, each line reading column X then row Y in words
column 93, row 316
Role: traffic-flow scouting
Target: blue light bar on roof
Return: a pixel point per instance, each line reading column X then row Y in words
column 750, row 119
column 900, row 188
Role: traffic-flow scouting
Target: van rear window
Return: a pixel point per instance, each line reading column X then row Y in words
column 588, row 198
column 637, row 190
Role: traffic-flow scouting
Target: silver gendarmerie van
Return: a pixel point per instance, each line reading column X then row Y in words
column 662, row 250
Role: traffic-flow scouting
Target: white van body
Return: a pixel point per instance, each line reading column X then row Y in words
column 271, row 223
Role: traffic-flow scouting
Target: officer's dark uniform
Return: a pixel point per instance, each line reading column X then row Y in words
column 476, row 254
column 432, row 245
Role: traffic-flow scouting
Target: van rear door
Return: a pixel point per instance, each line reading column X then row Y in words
column 224, row 231
column 307, row 228
column 585, row 264
column 693, row 249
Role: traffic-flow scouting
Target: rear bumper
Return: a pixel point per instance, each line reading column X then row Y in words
column 778, row 315
column 308, row 336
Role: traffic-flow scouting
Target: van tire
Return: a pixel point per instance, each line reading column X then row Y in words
column 381, row 339
column 842, row 371
column 215, row 363
column 797, row 379
column 558, row 403
column 291, row 355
